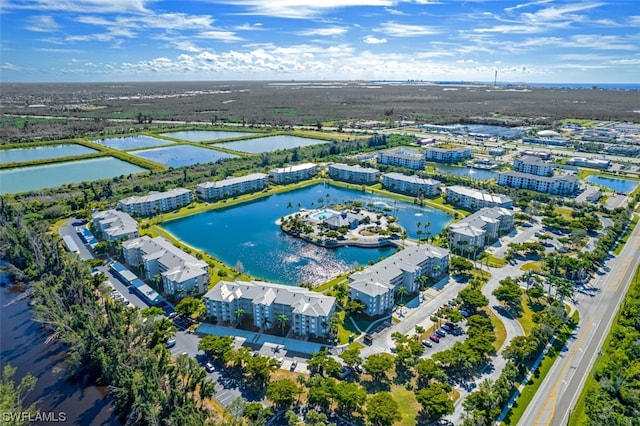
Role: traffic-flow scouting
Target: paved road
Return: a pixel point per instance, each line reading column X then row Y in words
column 557, row 395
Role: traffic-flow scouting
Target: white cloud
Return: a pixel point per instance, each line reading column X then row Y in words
column 226, row 36
column 8, row 66
column 328, row 31
column 43, row 24
column 395, row 29
column 373, row 40
column 86, row 6
column 299, row 9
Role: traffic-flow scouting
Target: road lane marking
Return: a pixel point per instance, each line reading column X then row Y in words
column 553, row 394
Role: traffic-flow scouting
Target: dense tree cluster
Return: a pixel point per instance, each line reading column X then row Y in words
column 614, row 398
column 106, row 342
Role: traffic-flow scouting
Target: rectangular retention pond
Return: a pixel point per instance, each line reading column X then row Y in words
column 22, row 155
column 132, row 142
column 205, row 135
column 270, row 143
column 25, row 179
column 623, row 186
column 183, row 155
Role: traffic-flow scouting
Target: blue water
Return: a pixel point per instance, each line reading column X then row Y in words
column 248, row 234
column 132, row 142
column 21, row 155
column 618, row 185
column 467, row 172
column 205, row 135
column 183, row 155
column 37, row 177
column 271, row 143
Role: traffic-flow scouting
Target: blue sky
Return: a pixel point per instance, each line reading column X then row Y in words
column 537, row 41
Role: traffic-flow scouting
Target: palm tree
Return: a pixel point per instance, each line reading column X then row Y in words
column 282, row 321
column 401, row 292
column 239, row 313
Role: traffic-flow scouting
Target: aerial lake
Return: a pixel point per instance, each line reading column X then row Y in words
column 205, row 135
column 271, row 143
column 479, row 174
column 48, row 176
column 247, row 235
column 182, row 155
column 132, row 142
column 21, row 155
column 624, row 186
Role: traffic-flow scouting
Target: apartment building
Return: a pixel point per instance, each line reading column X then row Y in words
column 402, row 157
column 291, row 174
column 232, row 186
column 411, row 185
column 557, row 185
column 471, row 234
column 156, row 202
column 307, row 312
column 376, row 285
column 475, row 199
column 354, row 174
column 448, row 155
column 182, row 274
column 533, row 166
column 115, row 225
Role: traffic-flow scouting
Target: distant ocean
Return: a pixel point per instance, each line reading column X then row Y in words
column 603, row 86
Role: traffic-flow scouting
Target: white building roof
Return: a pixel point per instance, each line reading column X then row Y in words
column 232, row 181
column 155, row 196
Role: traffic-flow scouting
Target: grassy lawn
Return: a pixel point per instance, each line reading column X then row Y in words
column 526, row 320
column 532, row 266
column 494, row 262
column 499, row 328
column 536, row 380
column 409, row 406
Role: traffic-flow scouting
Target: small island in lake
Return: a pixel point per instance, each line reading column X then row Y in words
column 341, row 226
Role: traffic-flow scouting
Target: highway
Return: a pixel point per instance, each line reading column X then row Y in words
column 558, row 393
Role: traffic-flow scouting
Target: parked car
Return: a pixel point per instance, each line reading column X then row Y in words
column 441, row 333
column 171, row 343
column 209, row 367
column 358, row 368
column 345, row 372
column 434, row 338
column 294, row 364
column 446, row 327
column 427, row 343
column 173, row 314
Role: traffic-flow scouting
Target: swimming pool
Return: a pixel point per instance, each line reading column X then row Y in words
column 324, row 214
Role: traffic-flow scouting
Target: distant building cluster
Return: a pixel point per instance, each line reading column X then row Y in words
column 354, row 174
column 232, row 186
column 115, row 225
column 307, row 312
column 376, row 285
column 182, row 274
column 595, row 163
column 156, row 202
column 484, row 226
column 411, row 185
column 474, row 199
